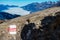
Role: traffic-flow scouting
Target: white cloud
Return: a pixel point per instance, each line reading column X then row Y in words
column 17, row 10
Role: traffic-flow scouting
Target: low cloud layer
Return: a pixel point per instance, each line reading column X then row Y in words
column 17, row 10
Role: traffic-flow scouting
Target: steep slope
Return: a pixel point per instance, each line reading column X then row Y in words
column 33, row 20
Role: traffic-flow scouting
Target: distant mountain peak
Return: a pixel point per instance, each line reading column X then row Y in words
column 34, row 7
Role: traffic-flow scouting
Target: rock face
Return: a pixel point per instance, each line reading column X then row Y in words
column 33, row 26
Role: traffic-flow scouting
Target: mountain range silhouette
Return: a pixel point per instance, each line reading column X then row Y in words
column 5, row 15
column 34, row 7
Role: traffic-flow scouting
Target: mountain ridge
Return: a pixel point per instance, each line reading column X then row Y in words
column 34, row 7
column 21, row 21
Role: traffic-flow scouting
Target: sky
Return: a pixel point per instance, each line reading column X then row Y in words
column 21, row 2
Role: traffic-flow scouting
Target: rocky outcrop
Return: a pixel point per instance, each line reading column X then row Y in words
column 30, row 27
column 1, row 21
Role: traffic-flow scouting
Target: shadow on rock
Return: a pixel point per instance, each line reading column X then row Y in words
column 50, row 29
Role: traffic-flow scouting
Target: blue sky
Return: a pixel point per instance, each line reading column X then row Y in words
column 21, row 2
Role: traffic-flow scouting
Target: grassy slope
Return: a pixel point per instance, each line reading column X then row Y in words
column 20, row 21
